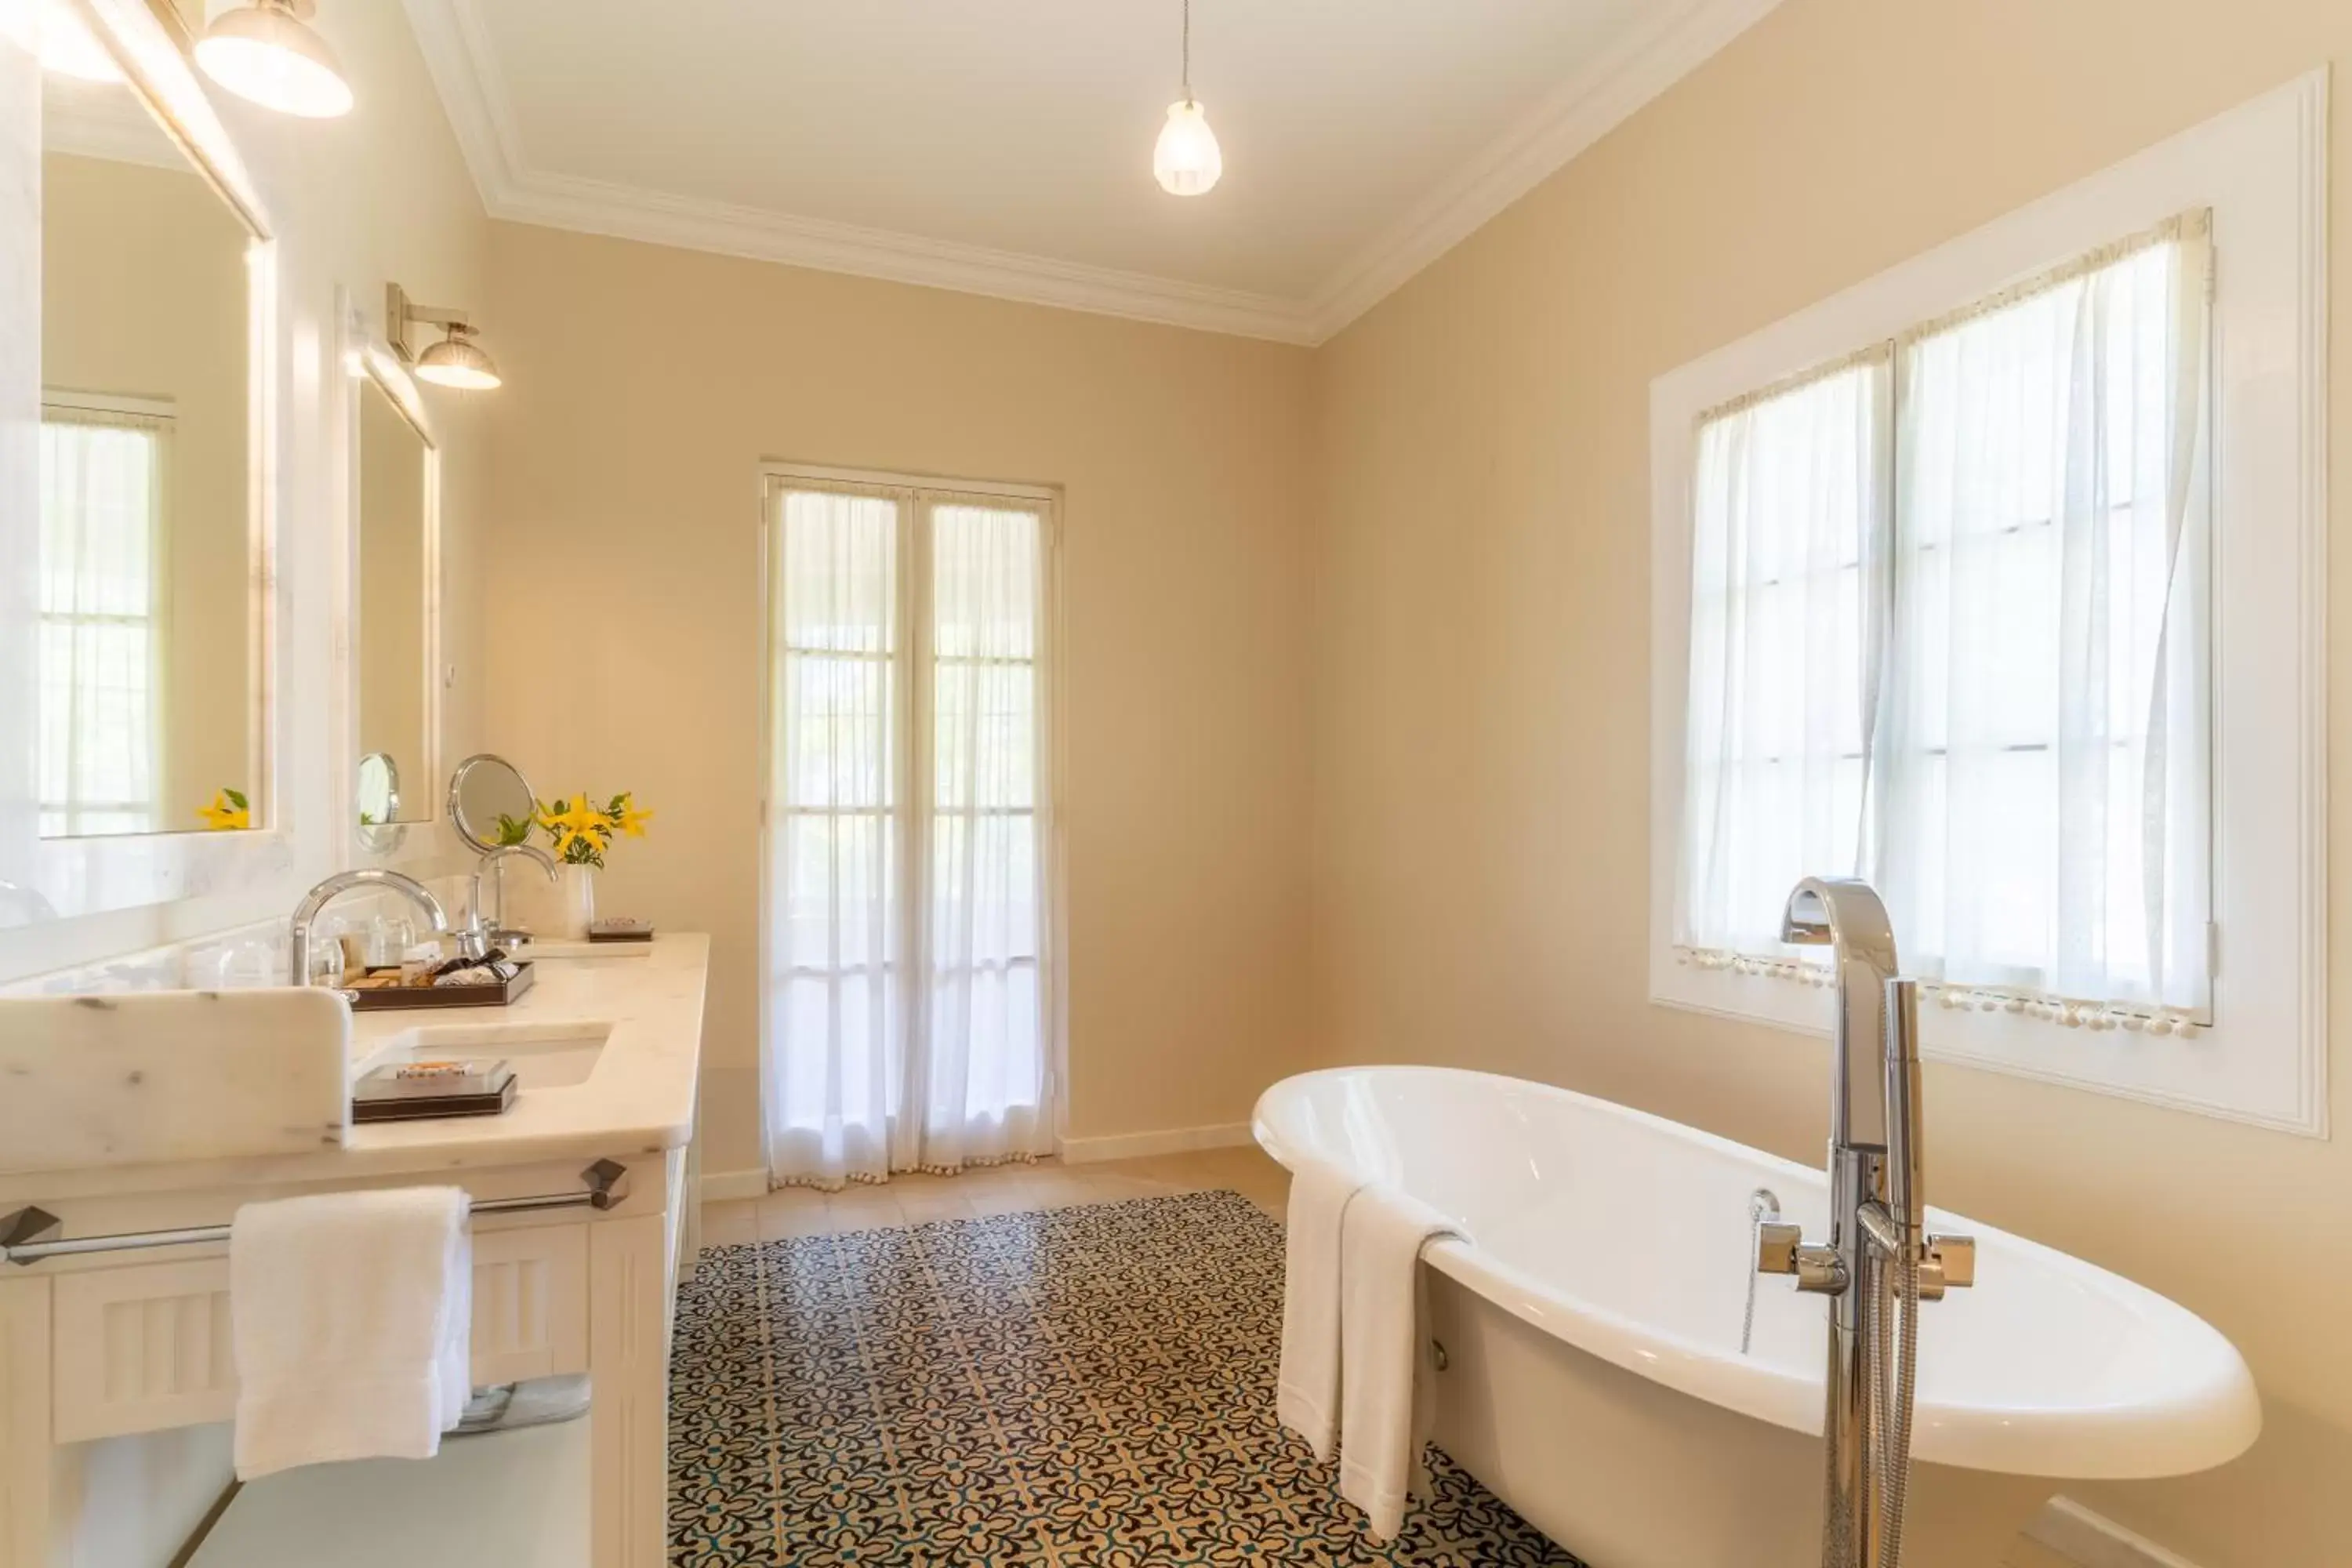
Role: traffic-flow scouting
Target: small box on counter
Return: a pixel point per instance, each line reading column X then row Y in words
column 409, row 1091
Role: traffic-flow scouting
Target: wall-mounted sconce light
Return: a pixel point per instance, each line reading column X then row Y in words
column 268, row 52
column 456, row 361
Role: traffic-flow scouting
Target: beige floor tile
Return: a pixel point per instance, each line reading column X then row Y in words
column 1013, row 1188
column 789, row 1211
column 1109, row 1186
column 864, row 1207
column 935, row 1200
column 730, row 1223
column 1002, row 1199
column 1060, row 1190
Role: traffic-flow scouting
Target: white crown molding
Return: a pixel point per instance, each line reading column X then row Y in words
column 624, row 212
column 1584, row 110
column 457, row 52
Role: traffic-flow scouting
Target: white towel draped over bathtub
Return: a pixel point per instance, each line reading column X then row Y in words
column 1388, row 1385
column 1306, row 1396
column 350, row 1315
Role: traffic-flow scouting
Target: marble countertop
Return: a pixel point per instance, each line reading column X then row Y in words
column 640, row 1096
column 638, row 1101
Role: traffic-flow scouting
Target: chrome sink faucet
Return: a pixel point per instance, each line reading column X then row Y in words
column 299, row 955
column 1879, row 1262
column 481, row 936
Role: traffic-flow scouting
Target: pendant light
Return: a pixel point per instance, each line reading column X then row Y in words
column 53, row 33
column 1187, row 161
column 267, row 51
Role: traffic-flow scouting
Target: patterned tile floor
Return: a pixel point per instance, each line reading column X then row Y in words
column 1082, row 1387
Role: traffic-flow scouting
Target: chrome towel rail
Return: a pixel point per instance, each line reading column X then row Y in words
column 603, row 1185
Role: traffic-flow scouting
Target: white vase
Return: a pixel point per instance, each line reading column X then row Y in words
column 579, row 900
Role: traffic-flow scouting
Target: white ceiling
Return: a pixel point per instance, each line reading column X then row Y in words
column 1005, row 147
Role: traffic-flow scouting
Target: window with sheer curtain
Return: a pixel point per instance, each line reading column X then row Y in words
column 1950, row 630
column 908, row 886
column 102, row 609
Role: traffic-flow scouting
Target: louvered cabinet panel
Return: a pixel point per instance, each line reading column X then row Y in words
column 531, row 1303
column 141, row 1348
column 148, row 1347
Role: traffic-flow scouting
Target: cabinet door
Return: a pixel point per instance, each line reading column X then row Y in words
column 148, row 1347
column 141, row 1348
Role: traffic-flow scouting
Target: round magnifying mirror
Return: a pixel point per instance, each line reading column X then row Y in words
column 379, row 802
column 490, row 802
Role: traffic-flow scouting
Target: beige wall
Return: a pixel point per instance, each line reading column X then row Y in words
column 145, row 295
column 644, row 387
column 1481, row 689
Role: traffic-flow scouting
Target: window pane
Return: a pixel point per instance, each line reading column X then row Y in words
column 985, row 899
column 835, row 901
column 2048, row 534
column 1782, row 570
column 97, row 665
column 836, row 597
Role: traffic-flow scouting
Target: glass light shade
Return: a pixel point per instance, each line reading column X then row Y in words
column 455, row 362
column 1187, row 161
column 267, row 54
column 61, row 41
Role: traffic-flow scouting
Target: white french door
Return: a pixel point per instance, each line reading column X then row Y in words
column 908, row 898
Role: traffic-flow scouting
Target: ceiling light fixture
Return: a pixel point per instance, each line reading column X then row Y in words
column 267, row 51
column 53, row 33
column 456, row 361
column 1187, row 161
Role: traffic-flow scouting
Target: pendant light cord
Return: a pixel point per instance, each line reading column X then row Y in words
column 1188, row 51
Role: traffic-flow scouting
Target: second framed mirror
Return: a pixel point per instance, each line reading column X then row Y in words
column 396, row 597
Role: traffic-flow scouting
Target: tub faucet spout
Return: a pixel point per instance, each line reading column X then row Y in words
column 1844, row 915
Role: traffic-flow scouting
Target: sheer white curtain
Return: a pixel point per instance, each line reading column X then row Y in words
column 100, row 623
column 986, row 1077
column 2045, row 756
column 1788, row 589
column 1973, row 666
column 906, row 899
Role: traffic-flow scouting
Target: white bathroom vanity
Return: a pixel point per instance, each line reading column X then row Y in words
column 102, row 1345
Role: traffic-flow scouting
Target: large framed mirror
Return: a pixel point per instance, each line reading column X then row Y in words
column 152, row 641
column 395, row 598
column 140, row 745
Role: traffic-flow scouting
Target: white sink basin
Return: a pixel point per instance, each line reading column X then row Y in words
column 544, row 1056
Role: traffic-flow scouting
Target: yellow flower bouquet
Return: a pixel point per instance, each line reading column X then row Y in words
column 581, row 833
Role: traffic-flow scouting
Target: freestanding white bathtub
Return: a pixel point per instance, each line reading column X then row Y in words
column 1591, row 1322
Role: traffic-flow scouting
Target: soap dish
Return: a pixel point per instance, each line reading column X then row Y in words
column 414, row 1091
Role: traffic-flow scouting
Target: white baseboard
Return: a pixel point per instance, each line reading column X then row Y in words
column 719, row 1186
column 2095, row 1541
column 1136, row 1145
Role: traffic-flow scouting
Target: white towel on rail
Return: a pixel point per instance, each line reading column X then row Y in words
column 1306, row 1394
column 351, row 1321
column 1388, row 1386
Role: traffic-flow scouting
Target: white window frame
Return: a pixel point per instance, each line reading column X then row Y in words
column 2261, row 169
